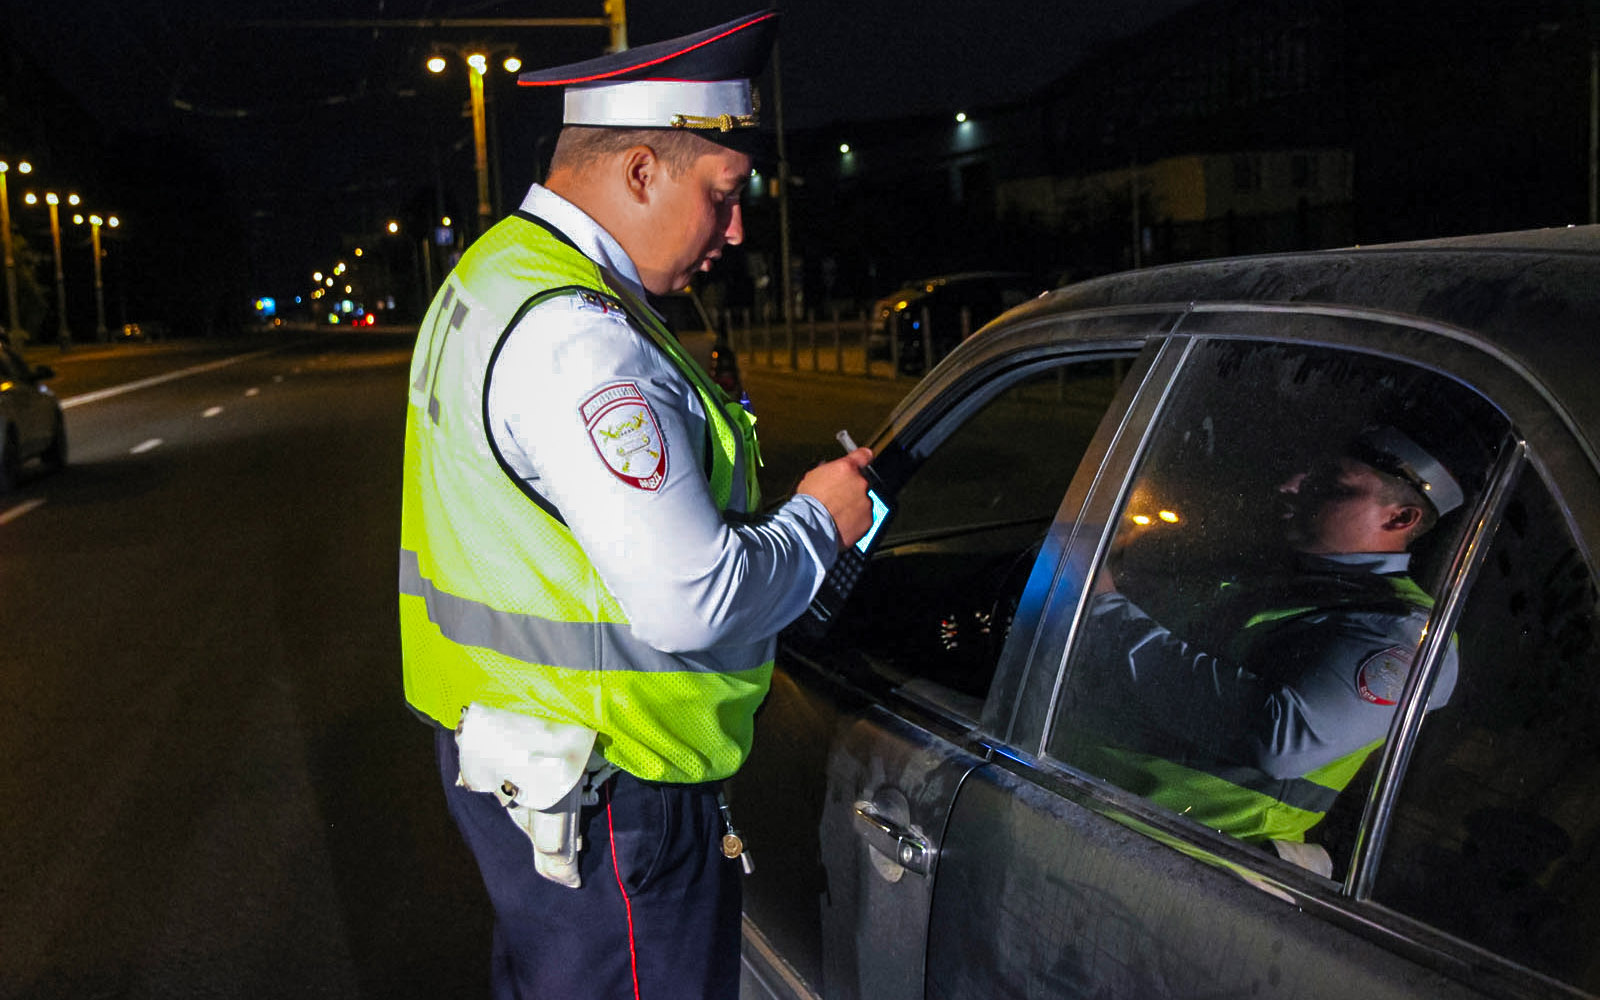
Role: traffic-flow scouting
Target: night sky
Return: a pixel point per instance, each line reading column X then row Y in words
column 320, row 131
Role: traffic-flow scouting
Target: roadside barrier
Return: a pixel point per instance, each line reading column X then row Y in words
column 844, row 345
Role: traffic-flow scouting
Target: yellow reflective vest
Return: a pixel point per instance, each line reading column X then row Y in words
column 498, row 602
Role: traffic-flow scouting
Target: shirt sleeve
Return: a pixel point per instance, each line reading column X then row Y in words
column 1311, row 714
column 689, row 577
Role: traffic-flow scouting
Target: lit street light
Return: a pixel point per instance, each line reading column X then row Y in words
column 477, row 58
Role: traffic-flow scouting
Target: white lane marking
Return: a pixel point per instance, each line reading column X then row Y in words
column 277, row 378
column 144, row 446
column 212, row 412
column 252, row 391
column 20, row 509
column 145, row 383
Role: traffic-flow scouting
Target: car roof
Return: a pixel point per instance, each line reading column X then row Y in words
column 1534, row 296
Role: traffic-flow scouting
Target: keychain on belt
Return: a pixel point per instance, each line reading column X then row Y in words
column 732, row 843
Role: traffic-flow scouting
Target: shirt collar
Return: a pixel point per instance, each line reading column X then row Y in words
column 1371, row 562
column 587, row 235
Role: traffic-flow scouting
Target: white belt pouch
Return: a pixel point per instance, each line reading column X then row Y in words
column 536, row 769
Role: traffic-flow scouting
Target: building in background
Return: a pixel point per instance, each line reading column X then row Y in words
column 1233, row 127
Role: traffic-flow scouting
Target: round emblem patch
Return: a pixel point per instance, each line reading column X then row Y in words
column 1382, row 676
column 623, row 429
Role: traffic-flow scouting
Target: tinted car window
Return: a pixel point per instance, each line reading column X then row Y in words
column 1496, row 832
column 1266, row 591
column 939, row 592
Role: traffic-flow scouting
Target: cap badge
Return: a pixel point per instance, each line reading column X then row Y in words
column 722, row 123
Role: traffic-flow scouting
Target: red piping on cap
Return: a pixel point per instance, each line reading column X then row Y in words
column 630, row 69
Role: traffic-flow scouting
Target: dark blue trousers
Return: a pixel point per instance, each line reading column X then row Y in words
column 657, row 917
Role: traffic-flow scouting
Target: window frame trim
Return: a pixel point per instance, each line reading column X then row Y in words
column 1080, row 535
column 1405, row 728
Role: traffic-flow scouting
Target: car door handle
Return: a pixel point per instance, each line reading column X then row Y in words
column 892, row 840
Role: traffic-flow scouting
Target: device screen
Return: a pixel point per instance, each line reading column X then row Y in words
column 880, row 512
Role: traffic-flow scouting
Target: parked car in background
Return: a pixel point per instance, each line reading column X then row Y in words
column 953, row 307
column 923, row 802
column 31, row 422
column 144, row 330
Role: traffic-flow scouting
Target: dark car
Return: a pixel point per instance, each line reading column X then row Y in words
column 31, row 424
column 144, row 330
column 927, row 802
column 928, row 318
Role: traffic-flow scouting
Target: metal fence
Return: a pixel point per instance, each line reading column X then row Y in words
column 844, row 344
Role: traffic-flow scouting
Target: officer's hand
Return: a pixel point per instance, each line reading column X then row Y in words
column 841, row 488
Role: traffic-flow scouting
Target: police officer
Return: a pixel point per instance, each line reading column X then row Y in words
column 1255, row 723
column 588, row 598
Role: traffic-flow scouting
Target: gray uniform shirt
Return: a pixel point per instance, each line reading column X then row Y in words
column 1285, row 696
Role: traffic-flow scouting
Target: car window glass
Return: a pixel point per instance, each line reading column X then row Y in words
column 1496, row 832
column 936, row 600
column 1259, row 611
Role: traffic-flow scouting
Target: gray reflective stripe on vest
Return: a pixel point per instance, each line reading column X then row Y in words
column 570, row 645
column 1297, row 792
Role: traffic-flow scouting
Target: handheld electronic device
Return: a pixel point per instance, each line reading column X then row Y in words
column 847, row 568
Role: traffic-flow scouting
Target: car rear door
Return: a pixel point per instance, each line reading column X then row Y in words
column 871, row 729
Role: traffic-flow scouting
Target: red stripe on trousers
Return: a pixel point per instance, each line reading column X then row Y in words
column 633, row 957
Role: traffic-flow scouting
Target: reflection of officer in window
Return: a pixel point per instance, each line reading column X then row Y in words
column 1256, row 723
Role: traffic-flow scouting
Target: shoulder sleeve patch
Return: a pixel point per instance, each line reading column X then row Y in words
column 1382, row 676
column 625, row 433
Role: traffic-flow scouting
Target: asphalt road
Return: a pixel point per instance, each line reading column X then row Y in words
column 214, row 787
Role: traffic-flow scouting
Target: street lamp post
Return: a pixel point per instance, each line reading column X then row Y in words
column 13, row 317
column 95, row 222
column 62, row 333
column 480, row 136
column 617, row 22
column 477, row 58
column 53, row 200
column 99, row 284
